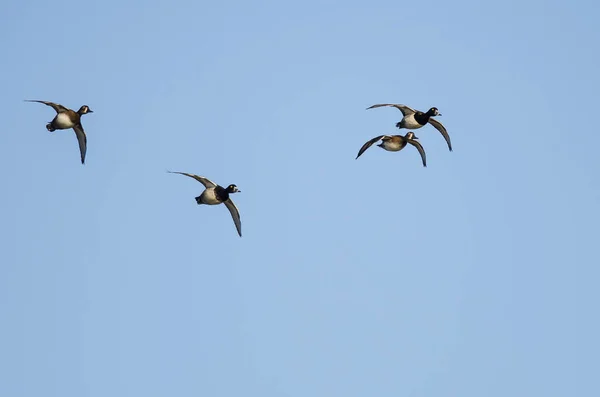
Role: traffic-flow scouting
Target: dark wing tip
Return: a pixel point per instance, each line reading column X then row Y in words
column 378, row 105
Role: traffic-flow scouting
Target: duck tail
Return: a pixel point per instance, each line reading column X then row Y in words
column 399, row 124
column 50, row 128
column 198, row 201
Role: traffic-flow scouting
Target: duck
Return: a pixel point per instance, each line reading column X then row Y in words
column 395, row 143
column 414, row 119
column 67, row 118
column 214, row 194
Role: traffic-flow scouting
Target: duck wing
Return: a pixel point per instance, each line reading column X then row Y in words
column 235, row 214
column 368, row 145
column 403, row 108
column 438, row 126
column 82, row 139
column 419, row 147
column 205, row 181
column 56, row 106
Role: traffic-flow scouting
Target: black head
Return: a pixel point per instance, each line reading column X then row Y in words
column 433, row 112
column 85, row 109
column 232, row 189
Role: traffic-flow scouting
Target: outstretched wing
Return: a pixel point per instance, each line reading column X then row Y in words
column 368, row 145
column 235, row 214
column 58, row 107
column 441, row 129
column 206, row 182
column 82, row 139
column 403, row 108
column 419, row 147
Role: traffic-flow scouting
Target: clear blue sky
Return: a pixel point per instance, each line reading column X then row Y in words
column 476, row 276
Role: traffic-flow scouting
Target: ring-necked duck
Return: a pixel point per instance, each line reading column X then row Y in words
column 66, row 118
column 215, row 194
column 395, row 143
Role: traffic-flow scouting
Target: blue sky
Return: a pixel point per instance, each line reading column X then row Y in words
column 476, row 276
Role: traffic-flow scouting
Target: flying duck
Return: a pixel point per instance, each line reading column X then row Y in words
column 214, row 194
column 395, row 143
column 66, row 118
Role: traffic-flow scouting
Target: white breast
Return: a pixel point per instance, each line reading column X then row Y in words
column 62, row 121
column 209, row 197
column 411, row 123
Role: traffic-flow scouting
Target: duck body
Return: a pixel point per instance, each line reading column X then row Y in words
column 413, row 121
column 393, row 143
column 213, row 196
column 63, row 121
